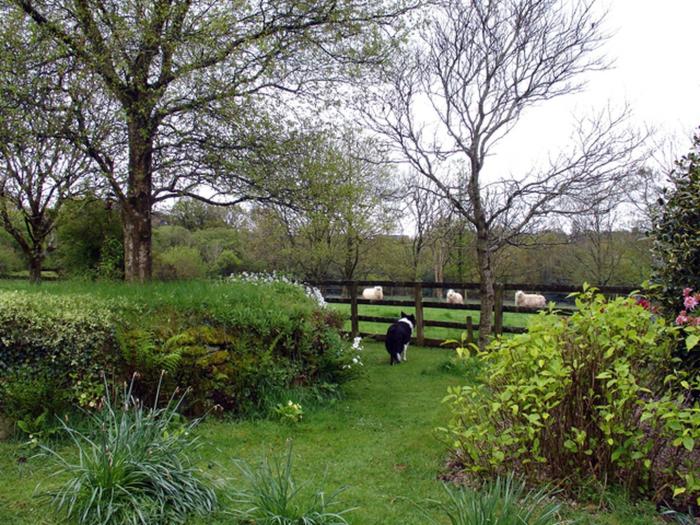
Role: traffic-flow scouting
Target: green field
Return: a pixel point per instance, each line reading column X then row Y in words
column 378, row 441
column 435, row 314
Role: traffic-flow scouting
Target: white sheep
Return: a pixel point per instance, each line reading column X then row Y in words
column 373, row 294
column 454, row 297
column 529, row 300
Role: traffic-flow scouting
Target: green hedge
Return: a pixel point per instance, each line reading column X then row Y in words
column 237, row 345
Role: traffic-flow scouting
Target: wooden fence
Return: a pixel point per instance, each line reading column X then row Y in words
column 352, row 290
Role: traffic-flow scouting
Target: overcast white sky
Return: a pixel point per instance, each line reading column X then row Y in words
column 657, row 71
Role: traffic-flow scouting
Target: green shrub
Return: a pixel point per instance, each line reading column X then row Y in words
column 33, row 399
column 290, row 412
column 89, row 239
column 132, row 468
column 581, row 398
column 676, row 232
column 270, row 495
column 69, row 340
column 504, row 501
column 239, row 345
column 179, row 262
column 225, row 264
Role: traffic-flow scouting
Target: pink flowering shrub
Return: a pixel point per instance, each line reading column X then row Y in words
column 688, row 317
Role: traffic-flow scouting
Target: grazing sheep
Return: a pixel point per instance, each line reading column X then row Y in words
column 529, row 300
column 373, row 294
column 454, row 297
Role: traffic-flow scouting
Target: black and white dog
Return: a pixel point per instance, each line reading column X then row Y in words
column 398, row 336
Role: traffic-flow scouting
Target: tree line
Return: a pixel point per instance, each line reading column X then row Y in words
column 193, row 239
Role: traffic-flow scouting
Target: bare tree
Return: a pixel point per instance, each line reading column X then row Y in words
column 479, row 65
column 422, row 206
column 595, row 231
column 186, row 85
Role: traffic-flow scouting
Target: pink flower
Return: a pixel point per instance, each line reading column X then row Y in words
column 682, row 318
column 686, row 291
column 690, row 302
column 694, row 321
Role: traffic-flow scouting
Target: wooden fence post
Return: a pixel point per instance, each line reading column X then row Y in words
column 354, row 322
column 498, row 310
column 470, row 330
column 418, row 296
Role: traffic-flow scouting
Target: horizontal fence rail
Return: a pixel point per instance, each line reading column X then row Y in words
column 350, row 291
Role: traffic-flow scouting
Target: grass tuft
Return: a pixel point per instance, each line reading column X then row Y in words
column 504, row 501
column 132, row 468
column 270, row 495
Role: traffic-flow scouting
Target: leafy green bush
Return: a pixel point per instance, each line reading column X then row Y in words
column 33, row 399
column 239, row 345
column 89, row 239
column 64, row 342
column 504, row 501
column 133, row 467
column 581, row 398
column 179, row 262
column 676, row 232
column 226, row 263
column 270, row 495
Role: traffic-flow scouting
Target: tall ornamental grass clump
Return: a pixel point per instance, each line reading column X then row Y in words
column 133, row 467
column 502, row 501
column 270, row 495
column 591, row 396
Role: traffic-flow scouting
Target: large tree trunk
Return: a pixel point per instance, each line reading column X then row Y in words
column 36, row 262
column 136, row 212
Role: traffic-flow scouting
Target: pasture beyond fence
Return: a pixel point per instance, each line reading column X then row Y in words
column 350, row 292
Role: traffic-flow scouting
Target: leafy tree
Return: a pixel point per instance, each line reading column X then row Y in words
column 676, row 231
column 89, row 238
column 196, row 215
column 213, row 243
column 188, row 88
column 166, row 237
column 350, row 202
column 39, row 168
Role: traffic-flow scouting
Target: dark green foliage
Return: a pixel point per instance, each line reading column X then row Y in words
column 90, row 239
column 676, row 233
column 10, row 254
column 133, row 468
column 34, row 398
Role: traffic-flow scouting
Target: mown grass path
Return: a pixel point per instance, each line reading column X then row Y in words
column 378, row 440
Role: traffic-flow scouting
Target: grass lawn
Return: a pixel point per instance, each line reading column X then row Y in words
column 378, row 441
column 434, row 314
